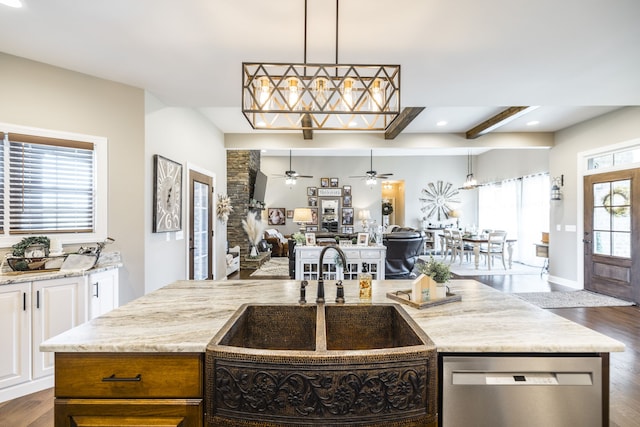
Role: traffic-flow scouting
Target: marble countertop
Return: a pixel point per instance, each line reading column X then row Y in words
column 107, row 261
column 184, row 317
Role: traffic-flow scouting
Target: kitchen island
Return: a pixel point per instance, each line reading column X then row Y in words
column 176, row 323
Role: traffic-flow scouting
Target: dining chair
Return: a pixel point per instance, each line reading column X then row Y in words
column 495, row 247
column 445, row 243
column 460, row 248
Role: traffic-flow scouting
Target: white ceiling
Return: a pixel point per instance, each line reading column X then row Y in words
column 464, row 60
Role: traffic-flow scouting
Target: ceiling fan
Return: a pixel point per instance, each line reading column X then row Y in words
column 371, row 176
column 290, row 175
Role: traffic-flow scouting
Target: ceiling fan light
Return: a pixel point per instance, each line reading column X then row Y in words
column 291, row 180
column 372, row 180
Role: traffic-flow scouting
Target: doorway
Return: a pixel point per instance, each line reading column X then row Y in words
column 201, row 230
column 392, row 193
column 612, row 233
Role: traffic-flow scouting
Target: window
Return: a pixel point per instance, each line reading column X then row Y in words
column 626, row 156
column 50, row 186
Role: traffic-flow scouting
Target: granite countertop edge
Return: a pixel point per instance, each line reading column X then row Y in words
column 184, row 316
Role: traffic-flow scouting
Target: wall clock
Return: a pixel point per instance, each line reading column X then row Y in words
column 167, row 195
column 437, row 198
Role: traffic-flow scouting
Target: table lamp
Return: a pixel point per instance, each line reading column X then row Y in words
column 302, row 216
column 364, row 215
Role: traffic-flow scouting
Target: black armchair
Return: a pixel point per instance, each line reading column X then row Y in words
column 403, row 249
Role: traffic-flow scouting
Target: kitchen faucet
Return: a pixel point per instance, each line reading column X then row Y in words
column 340, row 290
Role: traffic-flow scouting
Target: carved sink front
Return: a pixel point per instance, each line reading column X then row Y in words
column 322, row 365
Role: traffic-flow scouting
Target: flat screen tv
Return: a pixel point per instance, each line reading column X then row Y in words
column 260, row 187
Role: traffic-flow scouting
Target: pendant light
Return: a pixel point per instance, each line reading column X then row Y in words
column 470, row 183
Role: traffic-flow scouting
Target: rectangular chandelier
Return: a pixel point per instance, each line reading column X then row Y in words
column 320, row 96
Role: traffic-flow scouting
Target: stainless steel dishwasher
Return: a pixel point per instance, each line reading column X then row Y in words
column 517, row 391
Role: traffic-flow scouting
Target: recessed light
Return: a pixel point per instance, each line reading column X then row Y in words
column 442, row 123
column 533, row 123
column 12, row 3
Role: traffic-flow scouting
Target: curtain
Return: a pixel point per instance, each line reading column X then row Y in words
column 521, row 208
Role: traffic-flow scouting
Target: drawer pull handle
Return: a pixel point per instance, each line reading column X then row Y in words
column 113, row 378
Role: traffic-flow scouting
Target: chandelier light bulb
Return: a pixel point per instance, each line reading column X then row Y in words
column 294, row 92
column 377, row 96
column 264, row 93
column 347, row 94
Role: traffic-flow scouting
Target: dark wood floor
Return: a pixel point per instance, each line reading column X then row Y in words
column 621, row 323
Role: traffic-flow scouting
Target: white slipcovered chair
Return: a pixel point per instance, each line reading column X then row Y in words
column 495, row 247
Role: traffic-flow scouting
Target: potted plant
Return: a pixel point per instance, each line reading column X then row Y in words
column 439, row 272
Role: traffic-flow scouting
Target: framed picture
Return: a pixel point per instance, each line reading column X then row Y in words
column 312, row 191
column 311, row 228
column 347, row 216
column 346, row 190
column 167, row 195
column 276, row 216
column 347, row 230
column 310, row 239
column 312, row 201
column 346, row 201
column 289, row 213
column 324, row 182
column 333, row 182
column 363, row 239
column 314, row 216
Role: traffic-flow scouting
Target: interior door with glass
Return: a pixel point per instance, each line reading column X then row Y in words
column 612, row 233
column 200, row 226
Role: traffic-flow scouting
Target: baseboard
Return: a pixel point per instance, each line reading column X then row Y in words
column 564, row 282
column 26, row 388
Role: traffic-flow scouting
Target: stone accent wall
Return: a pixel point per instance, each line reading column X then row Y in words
column 242, row 167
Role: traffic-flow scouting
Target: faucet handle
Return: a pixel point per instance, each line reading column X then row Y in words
column 303, row 292
column 339, row 292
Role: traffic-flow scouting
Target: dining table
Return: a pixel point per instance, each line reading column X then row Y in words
column 478, row 239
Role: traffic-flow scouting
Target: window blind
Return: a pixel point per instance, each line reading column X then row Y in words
column 51, row 185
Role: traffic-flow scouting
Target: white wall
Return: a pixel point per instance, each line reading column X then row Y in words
column 565, row 246
column 39, row 95
column 187, row 137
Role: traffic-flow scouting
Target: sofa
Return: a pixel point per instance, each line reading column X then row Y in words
column 279, row 244
column 403, row 249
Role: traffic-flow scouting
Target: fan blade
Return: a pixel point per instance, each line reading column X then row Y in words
column 304, row 176
column 384, row 175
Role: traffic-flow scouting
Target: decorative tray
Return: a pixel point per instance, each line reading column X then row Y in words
column 404, row 296
column 40, row 264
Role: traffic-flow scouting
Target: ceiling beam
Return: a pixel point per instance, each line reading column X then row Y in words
column 498, row 120
column 307, row 133
column 405, row 117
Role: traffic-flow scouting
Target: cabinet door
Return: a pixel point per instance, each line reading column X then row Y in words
column 103, row 292
column 57, row 305
column 130, row 413
column 15, row 327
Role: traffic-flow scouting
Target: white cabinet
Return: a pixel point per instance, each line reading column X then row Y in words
column 15, row 333
column 57, row 305
column 369, row 259
column 103, row 292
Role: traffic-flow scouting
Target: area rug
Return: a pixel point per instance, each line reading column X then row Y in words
column 571, row 299
column 274, row 267
column 469, row 269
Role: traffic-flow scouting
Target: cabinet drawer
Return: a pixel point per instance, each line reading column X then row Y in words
column 129, row 375
column 129, row 413
column 310, row 255
column 370, row 255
